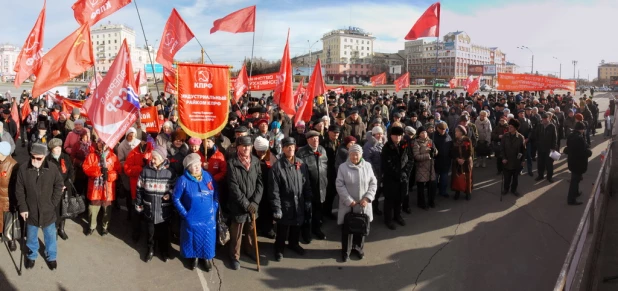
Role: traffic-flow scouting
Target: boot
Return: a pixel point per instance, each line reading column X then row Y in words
column 193, row 264
column 150, row 254
column 63, row 235
column 208, row 265
column 12, row 245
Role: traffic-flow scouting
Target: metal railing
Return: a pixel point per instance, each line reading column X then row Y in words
column 577, row 261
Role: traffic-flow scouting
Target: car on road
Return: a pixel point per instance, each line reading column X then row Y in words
column 364, row 83
column 486, row 87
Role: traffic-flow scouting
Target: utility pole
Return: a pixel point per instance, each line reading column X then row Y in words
column 574, row 64
column 560, row 76
column 527, row 48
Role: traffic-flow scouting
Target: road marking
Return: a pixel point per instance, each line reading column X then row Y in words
column 202, row 279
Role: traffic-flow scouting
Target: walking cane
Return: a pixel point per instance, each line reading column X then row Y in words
column 502, row 185
column 23, row 246
column 257, row 252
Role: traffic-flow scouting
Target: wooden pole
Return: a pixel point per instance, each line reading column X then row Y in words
column 257, row 251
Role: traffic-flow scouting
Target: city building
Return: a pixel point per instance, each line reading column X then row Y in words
column 455, row 53
column 8, row 58
column 347, row 55
column 608, row 71
column 106, row 41
column 510, row 68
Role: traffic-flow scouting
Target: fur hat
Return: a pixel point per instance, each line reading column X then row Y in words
column 348, row 139
column 54, row 142
column 514, row 122
column 38, row 149
column 396, row 130
column 191, row 159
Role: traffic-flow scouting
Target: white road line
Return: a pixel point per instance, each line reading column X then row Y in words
column 200, row 275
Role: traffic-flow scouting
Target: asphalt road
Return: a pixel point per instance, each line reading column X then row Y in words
column 482, row 244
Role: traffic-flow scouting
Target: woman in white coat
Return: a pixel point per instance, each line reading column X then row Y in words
column 356, row 185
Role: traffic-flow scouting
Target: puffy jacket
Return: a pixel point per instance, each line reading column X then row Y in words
column 318, row 167
column 97, row 189
column 358, row 128
column 216, row 165
column 134, row 165
column 176, row 156
column 290, row 190
column 8, row 175
column 38, row 192
column 244, row 187
column 152, row 184
column 423, row 161
column 484, row 129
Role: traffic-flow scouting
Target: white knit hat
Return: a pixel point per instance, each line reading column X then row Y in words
column 260, row 144
column 376, row 130
column 356, row 149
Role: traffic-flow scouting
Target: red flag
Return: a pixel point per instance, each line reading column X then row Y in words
column 140, row 78
column 299, row 91
column 169, row 80
column 175, row 35
column 427, row 25
column 378, row 79
column 402, row 82
column 96, row 79
column 452, row 83
column 68, row 105
column 25, row 110
column 29, row 59
column 15, row 117
column 242, row 20
column 315, row 87
column 242, row 83
column 91, row 11
column 69, row 58
column 284, row 92
column 474, row 86
column 114, row 106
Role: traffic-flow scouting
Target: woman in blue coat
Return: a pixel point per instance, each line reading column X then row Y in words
column 197, row 201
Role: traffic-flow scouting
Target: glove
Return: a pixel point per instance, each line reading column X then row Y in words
column 253, row 207
column 138, row 208
column 277, row 214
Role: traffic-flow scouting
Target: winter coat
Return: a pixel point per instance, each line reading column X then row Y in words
column 462, row 149
column 164, row 140
column 176, row 156
column 8, row 176
column 244, row 187
column 577, row 153
column 10, row 126
column 545, row 137
column 222, row 143
column 67, row 171
column 355, row 182
column 396, row 164
column 569, row 125
column 152, row 184
column 290, row 190
column 423, row 160
column 510, row 147
column 38, row 192
column 472, row 133
column 197, row 203
column 358, row 128
column 72, row 138
column 484, row 129
column 300, row 139
column 346, row 130
column 134, row 165
column 371, row 154
column 331, row 150
column 99, row 190
column 525, row 127
column 318, row 167
column 341, row 156
column 443, row 144
column 217, row 167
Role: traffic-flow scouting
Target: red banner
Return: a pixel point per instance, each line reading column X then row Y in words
column 378, row 79
column 29, row 58
column 169, row 81
column 175, row 35
column 91, row 11
column 402, row 82
column 264, row 82
column 452, row 83
column 526, row 82
column 474, row 85
column 340, row 89
column 68, row 105
column 149, row 119
column 241, row 87
column 203, row 98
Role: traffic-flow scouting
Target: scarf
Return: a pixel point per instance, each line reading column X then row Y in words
column 245, row 160
column 197, row 177
column 98, row 181
column 84, row 147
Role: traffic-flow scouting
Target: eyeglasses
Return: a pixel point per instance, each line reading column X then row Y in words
column 37, row 159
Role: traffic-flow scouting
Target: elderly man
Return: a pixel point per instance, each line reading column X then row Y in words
column 545, row 137
column 6, row 136
column 577, row 159
column 314, row 155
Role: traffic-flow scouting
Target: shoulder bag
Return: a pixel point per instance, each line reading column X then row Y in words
column 72, row 206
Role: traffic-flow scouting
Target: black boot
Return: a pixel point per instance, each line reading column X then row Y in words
column 12, row 245
column 193, row 263
column 150, row 254
column 208, row 265
column 63, row 235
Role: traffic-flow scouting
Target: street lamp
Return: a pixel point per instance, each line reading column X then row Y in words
column 560, row 67
column 574, row 64
column 310, row 59
column 525, row 47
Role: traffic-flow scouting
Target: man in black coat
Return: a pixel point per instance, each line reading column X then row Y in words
column 396, row 164
column 545, row 137
column 38, row 191
column 578, row 154
column 290, row 193
column 331, row 144
column 513, row 153
column 442, row 163
column 314, row 155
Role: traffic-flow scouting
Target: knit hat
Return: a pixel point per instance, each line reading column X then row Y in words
column 75, row 111
column 579, row 117
column 275, row 124
column 130, row 130
column 409, row 130
column 420, row 129
column 54, row 142
column 78, row 121
column 38, row 149
column 356, row 149
column 168, row 124
column 348, row 139
column 376, row 130
column 5, row 149
column 260, row 144
column 195, row 141
column 300, row 123
column 161, row 151
column 191, row 159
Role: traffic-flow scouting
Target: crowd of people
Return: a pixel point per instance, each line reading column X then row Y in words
column 264, row 171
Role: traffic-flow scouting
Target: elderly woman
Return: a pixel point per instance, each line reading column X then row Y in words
column 197, row 201
column 461, row 153
column 154, row 186
column 74, row 136
column 356, row 185
column 424, row 152
column 164, row 138
column 63, row 162
column 102, row 168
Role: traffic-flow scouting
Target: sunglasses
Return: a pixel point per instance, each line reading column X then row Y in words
column 37, row 159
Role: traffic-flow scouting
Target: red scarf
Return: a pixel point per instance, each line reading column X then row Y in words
column 245, row 160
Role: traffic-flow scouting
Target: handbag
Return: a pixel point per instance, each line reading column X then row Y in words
column 12, row 227
column 356, row 223
column 223, row 232
column 458, row 182
column 72, row 206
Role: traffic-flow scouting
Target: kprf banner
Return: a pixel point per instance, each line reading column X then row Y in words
column 149, row 119
column 378, row 79
column 169, row 80
column 263, row 82
column 526, row 82
column 203, row 98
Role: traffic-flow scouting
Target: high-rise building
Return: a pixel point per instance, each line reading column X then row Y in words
column 8, row 58
column 347, row 54
column 608, row 71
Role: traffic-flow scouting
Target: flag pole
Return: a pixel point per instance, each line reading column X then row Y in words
column 252, row 46
column 154, row 73
column 204, row 52
column 433, row 92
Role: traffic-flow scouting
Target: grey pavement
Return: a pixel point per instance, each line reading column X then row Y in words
column 482, row 244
